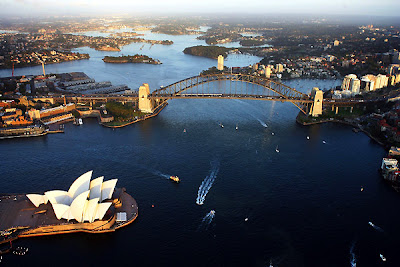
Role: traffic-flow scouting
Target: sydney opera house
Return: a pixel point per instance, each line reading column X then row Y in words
column 94, row 206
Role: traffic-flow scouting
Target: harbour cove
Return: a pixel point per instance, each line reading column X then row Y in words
column 303, row 205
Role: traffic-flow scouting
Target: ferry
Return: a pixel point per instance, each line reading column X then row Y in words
column 174, row 178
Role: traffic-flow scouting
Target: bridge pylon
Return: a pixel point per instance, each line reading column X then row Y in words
column 316, row 106
column 145, row 103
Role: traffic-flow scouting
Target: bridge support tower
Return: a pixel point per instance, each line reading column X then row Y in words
column 316, row 107
column 145, row 103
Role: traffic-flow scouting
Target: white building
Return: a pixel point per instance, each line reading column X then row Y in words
column 381, row 81
column 366, row 84
column 346, row 84
column 85, row 201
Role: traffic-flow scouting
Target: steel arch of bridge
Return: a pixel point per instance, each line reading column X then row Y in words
column 280, row 92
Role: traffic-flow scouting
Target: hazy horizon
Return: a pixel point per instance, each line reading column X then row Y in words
column 386, row 8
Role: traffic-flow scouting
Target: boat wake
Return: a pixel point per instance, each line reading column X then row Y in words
column 262, row 123
column 375, row 227
column 158, row 173
column 207, row 184
column 206, row 221
column 353, row 261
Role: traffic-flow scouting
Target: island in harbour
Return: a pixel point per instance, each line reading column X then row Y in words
column 207, row 51
column 132, row 59
column 107, row 48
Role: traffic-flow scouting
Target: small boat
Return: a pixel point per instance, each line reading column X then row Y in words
column 220, row 124
column 276, row 149
column 237, row 127
column 246, row 219
column 308, row 138
column 370, row 223
column 272, row 133
column 212, row 212
column 323, row 141
column 80, row 121
column 382, row 257
column 184, row 130
column 362, row 188
column 174, row 178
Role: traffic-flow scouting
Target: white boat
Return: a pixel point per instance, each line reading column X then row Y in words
column 370, row 223
column 236, row 127
column 184, row 130
column 80, row 121
column 308, row 138
column 212, row 212
column 382, row 257
column 272, row 133
column 222, row 126
column 276, row 149
column 323, row 141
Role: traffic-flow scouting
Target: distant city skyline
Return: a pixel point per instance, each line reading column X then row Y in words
column 104, row 7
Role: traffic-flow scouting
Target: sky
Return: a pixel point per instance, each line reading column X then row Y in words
column 127, row 7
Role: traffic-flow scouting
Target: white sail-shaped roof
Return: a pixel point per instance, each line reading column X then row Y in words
column 90, row 210
column 107, row 189
column 95, row 187
column 78, row 205
column 80, row 185
column 58, row 197
column 68, row 214
column 101, row 210
column 60, row 209
column 37, row 199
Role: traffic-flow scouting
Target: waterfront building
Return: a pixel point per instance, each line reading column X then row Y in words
column 84, row 201
column 220, row 65
column 366, row 84
column 279, row 68
column 381, row 81
column 372, row 79
column 355, row 86
column 346, row 84
column 268, row 72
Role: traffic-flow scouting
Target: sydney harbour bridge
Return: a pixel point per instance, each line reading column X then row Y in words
column 226, row 86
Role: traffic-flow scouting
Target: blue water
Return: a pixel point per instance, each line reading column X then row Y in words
column 304, row 205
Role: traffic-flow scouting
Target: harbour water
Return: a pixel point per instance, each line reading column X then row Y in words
column 303, row 205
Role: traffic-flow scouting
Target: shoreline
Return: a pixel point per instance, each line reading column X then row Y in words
column 345, row 123
column 158, row 109
column 41, row 221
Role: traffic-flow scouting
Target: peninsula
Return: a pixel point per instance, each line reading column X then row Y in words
column 92, row 206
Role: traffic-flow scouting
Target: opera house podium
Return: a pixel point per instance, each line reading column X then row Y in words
column 94, row 206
